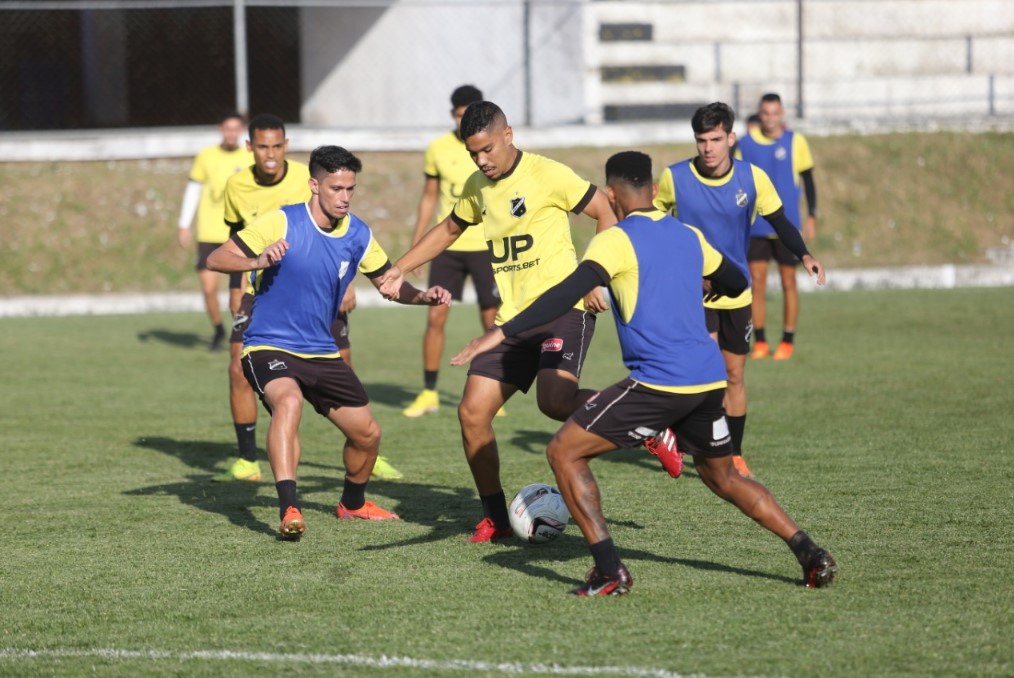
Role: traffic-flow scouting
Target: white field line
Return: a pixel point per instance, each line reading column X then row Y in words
column 382, row 661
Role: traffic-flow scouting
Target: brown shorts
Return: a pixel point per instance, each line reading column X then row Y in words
column 204, row 250
column 241, row 320
column 340, row 331
column 627, row 413
column 559, row 345
column 764, row 249
column 326, row 383
column 449, row 270
column 734, row 327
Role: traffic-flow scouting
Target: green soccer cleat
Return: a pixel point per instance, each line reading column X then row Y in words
column 241, row 469
column 382, row 470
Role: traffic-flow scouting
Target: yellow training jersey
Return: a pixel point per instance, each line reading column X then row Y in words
column 211, row 169
column 523, row 217
column 447, row 160
column 246, row 198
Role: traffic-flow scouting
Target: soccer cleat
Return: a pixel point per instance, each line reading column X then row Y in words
column 241, row 469
column 368, row 511
column 427, row 402
column 820, row 570
column 218, row 339
column 663, row 446
column 596, row 584
column 293, row 526
column 502, row 412
column 382, row 470
column 486, row 530
column 740, row 463
column 784, row 351
column 760, row 350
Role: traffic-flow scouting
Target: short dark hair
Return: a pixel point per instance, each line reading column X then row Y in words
column 465, row 95
column 771, row 96
column 330, row 159
column 479, row 116
column 231, row 115
column 753, row 119
column 266, row 121
column 711, row 116
column 632, row 167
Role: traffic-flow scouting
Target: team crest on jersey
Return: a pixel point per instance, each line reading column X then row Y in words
column 343, row 268
column 781, row 153
column 741, row 198
column 518, row 208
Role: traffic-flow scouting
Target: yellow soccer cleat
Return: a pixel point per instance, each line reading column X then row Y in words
column 382, row 470
column 241, row 469
column 427, row 402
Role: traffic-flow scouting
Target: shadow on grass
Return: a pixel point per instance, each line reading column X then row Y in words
column 181, row 339
column 527, row 559
column 445, row 510
column 394, row 395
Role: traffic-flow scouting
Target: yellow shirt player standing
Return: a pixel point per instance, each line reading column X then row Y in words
column 521, row 202
column 205, row 198
column 447, row 168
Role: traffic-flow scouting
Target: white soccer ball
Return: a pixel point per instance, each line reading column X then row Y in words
column 538, row 513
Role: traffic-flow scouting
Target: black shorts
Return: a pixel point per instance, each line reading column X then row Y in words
column 340, row 331
column 241, row 320
column 627, row 413
column 734, row 327
column 238, row 281
column 559, row 345
column 449, row 270
column 204, row 250
column 764, row 249
column 326, row 383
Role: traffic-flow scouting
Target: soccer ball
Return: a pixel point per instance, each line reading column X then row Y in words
column 538, row 513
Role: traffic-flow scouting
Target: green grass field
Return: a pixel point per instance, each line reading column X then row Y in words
column 888, row 437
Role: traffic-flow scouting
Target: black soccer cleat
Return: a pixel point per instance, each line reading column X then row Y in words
column 596, row 584
column 820, row 570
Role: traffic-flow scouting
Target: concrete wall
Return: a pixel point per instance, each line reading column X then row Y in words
column 396, row 66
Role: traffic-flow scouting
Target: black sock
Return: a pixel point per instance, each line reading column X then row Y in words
column 787, row 337
column 607, row 558
column 219, row 331
column 802, row 546
column 736, row 427
column 246, row 436
column 353, row 495
column 494, row 507
column 758, row 334
column 286, row 495
column 430, row 379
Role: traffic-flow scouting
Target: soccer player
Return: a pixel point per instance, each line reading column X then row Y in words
column 308, row 255
column 205, row 198
column 653, row 265
column 722, row 197
column 447, row 167
column 270, row 183
column 785, row 156
column 520, row 201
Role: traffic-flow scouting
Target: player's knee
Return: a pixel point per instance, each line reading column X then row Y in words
column 556, row 405
column 368, row 438
column 236, row 375
column 471, row 414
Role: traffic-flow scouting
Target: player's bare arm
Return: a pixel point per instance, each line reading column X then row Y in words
column 436, row 240
column 229, row 258
column 409, row 295
column 424, row 214
column 598, row 208
column 490, row 340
